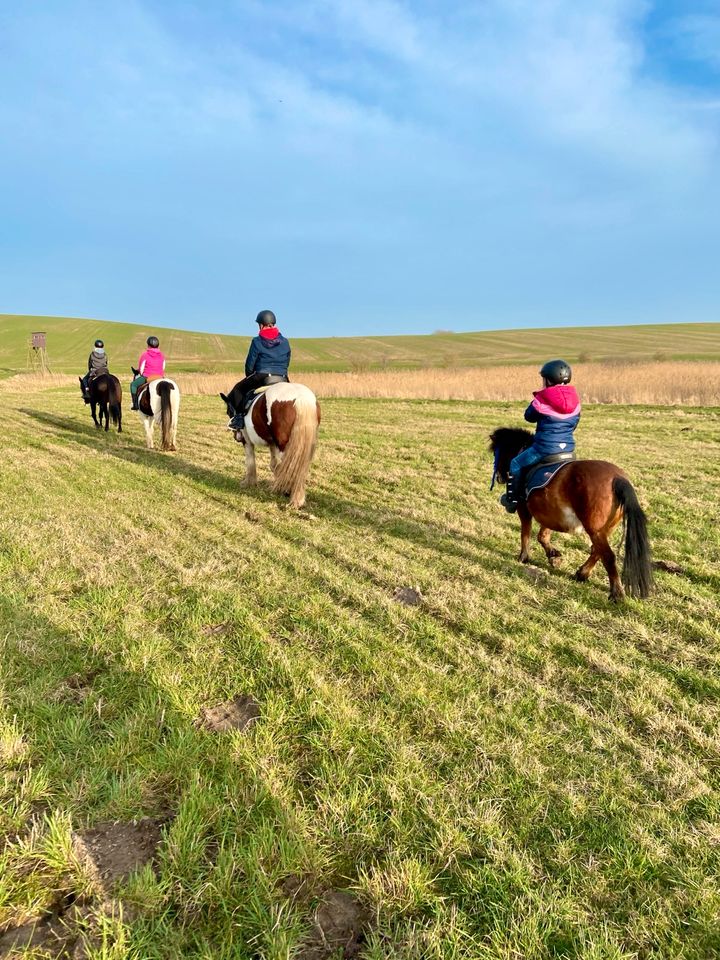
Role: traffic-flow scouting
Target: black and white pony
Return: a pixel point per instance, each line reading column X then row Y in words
column 159, row 402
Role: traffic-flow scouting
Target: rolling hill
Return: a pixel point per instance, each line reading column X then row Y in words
column 70, row 339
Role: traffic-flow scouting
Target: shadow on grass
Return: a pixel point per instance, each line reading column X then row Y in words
column 497, row 556
column 325, row 505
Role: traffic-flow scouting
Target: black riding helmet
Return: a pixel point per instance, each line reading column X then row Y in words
column 266, row 318
column 153, row 342
column 555, row 372
column 99, row 343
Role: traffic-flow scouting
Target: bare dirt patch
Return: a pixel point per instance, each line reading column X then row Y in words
column 669, row 566
column 340, row 923
column 408, row 596
column 46, row 934
column 534, row 574
column 216, row 629
column 77, row 687
column 55, row 932
column 238, row 713
column 112, row 851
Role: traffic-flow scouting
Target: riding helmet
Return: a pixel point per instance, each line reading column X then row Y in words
column 555, row 372
column 153, row 342
column 266, row 318
column 99, row 343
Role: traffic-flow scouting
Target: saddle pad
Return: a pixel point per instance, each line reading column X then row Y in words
column 252, row 397
column 541, row 475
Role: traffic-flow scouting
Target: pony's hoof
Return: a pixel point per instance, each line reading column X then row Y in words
column 580, row 576
column 617, row 596
column 524, row 557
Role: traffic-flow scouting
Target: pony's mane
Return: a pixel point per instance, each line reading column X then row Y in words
column 510, row 438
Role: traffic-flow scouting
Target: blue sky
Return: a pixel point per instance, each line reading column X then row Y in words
column 361, row 166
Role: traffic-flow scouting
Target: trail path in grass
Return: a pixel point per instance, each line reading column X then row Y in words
column 510, row 767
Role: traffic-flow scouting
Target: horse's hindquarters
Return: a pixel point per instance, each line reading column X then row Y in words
column 163, row 397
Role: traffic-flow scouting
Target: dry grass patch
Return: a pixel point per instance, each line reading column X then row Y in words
column 676, row 383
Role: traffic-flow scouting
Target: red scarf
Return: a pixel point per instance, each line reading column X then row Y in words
column 269, row 333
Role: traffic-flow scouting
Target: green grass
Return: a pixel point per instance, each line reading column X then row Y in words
column 70, row 341
column 513, row 769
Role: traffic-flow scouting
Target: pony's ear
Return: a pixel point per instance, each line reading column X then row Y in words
column 223, row 397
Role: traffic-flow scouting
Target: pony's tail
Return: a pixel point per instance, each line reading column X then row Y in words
column 115, row 396
column 163, row 389
column 637, row 575
column 294, row 466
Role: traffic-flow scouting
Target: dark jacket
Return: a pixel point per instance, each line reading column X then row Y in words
column 269, row 353
column 97, row 363
column 556, row 411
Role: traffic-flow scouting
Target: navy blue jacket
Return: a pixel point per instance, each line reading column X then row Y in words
column 556, row 411
column 268, row 356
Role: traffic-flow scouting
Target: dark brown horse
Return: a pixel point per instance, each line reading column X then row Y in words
column 589, row 495
column 106, row 394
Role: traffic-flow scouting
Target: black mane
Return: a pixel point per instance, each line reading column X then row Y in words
column 233, row 400
column 510, row 441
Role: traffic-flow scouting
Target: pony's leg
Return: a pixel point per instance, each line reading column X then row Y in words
column 106, row 410
column 250, row 466
column 602, row 548
column 544, row 540
column 93, row 411
column 607, row 555
column 525, row 531
column 583, row 572
column 274, row 458
column 173, row 430
column 148, row 424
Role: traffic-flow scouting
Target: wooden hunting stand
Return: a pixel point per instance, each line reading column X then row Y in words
column 37, row 359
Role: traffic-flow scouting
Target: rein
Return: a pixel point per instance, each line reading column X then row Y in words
column 495, row 466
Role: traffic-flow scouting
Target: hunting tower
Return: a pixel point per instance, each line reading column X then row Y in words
column 37, row 360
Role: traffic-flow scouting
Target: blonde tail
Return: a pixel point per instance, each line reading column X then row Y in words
column 294, row 466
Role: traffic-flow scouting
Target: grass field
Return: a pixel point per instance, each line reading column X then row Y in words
column 70, row 340
column 514, row 768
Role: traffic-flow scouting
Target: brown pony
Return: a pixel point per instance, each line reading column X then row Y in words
column 105, row 393
column 589, row 495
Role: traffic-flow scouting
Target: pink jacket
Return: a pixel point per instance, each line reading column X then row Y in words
column 152, row 363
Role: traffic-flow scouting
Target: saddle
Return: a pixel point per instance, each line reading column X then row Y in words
column 254, row 394
column 540, row 474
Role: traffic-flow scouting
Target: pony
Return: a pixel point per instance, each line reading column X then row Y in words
column 589, row 495
column 159, row 403
column 105, row 393
column 285, row 418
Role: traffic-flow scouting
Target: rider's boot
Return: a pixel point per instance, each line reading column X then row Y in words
column 237, row 422
column 509, row 498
